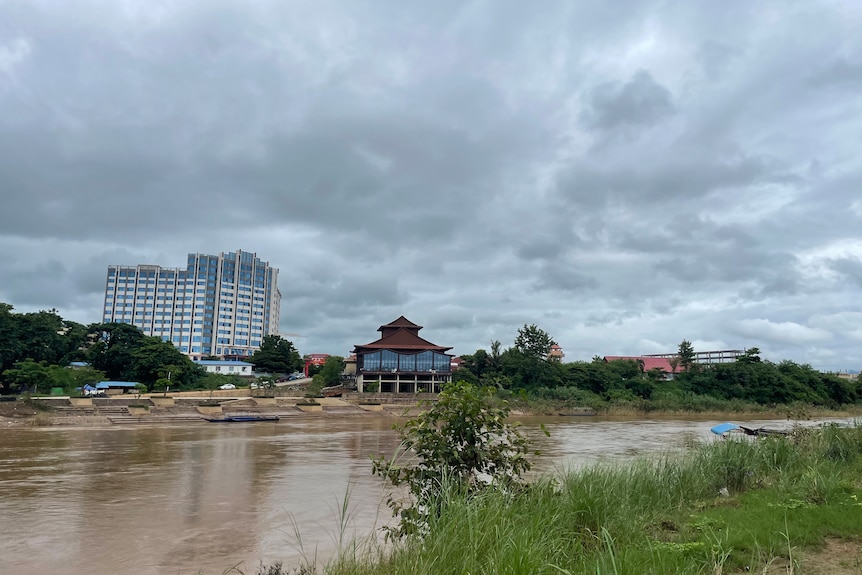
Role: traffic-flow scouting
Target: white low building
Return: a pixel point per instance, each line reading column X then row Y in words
column 226, row 367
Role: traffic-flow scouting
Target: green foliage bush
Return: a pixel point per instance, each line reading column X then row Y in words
column 462, row 443
column 371, row 387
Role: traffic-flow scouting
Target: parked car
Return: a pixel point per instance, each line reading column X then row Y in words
column 227, row 386
column 295, row 376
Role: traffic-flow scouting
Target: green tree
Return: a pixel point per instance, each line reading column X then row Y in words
column 751, row 355
column 655, row 375
column 595, row 376
column 40, row 336
column 86, row 376
column 153, row 359
column 112, row 348
column 476, row 364
column 276, row 355
column 332, row 370
column 463, row 438
column 463, row 373
column 313, row 369
column 162, row 384
column 526, row 363
column 625, row 369
column 29, row 376
column 45, row 336
column 533, row 342
column 10, row 343
column 316, row 386
column 686, row 355
column 72, row 380
column 140, row 389
column 494, row 356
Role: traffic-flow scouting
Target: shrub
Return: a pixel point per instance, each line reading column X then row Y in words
column 462, row 443
column 42, row 420
column 371, row 387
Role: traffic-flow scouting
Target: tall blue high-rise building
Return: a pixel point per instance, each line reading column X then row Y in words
column 218, row 305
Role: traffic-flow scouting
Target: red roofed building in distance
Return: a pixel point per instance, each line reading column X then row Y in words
column 556, row 353
column 401, row 361
column 314, row 359
column 650, row 363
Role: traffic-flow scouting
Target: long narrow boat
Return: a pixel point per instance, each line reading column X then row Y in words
column 242, row 418
column 723, row 429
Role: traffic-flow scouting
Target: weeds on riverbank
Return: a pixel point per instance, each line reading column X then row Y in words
column 41, row 420
column 724, row 507
column 574, row 401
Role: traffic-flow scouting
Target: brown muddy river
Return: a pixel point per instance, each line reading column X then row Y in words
column 200, row 498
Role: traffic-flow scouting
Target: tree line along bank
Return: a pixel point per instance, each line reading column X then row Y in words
column 524, row 369
column 36, row 349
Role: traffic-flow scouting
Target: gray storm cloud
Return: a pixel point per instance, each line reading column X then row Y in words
column 623, row 176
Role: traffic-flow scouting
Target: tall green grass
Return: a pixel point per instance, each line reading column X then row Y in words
column 724, row 506
column 556, row 400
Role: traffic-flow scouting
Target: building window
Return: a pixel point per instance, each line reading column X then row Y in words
column 371, row 361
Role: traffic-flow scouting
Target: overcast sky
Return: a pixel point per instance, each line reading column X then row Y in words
column 622, row 174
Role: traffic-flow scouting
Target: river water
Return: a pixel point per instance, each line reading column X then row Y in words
column 200, row 498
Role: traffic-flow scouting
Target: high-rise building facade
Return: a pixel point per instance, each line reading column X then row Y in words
column 218, row 305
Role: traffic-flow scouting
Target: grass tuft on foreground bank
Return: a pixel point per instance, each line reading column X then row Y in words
column 763, row 506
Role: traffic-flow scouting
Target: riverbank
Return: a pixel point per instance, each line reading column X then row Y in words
column 185, row 408
column 782, row 505
column 696, row 406
column 189, row 409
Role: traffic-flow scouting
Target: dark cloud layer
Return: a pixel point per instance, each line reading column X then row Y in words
column 623, row 176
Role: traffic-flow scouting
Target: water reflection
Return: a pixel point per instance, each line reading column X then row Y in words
column 184, row 499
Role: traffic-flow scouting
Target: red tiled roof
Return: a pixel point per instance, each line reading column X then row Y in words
column 401, row 334
column 649, row 363
column 400, row 322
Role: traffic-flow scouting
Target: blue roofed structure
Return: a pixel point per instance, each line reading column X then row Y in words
column 116, row 387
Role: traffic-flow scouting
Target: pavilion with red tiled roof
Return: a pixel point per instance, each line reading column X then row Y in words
column 401, row 361
column 650, row 363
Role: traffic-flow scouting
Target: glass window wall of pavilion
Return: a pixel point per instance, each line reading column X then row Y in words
column 387, row 361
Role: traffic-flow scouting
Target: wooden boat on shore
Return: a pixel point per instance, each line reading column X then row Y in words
column 762, row 431
column 242, row 418
column 723, row 429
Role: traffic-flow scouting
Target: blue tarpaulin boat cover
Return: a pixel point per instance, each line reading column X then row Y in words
column 723, row 428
